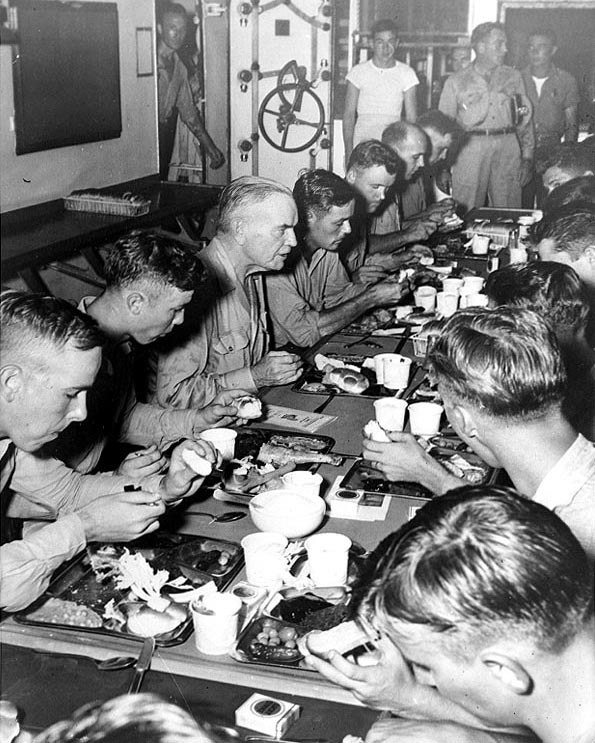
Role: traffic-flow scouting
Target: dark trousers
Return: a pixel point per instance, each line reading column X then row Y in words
column 167, row 136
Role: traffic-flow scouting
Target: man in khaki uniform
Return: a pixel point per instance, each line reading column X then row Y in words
column 497, row 158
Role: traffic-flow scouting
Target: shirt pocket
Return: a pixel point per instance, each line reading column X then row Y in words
column 232, row 347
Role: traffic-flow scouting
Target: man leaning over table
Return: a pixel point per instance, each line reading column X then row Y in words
column 488, row 99
column 50, row 355
column 314, row 296
column 372, row 172
column 150, row 279
column 224, row 344
column 502, row 381
column 485, row 602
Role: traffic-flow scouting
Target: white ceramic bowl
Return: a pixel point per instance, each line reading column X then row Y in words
column 287, row 512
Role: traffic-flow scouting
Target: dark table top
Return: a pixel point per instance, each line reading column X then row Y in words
column 47, row 232
column 47, row 687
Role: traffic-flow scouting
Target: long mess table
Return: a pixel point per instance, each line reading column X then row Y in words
column 350, row 413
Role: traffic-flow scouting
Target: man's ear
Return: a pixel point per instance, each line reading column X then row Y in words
column 160, row 29
column 11, row 381
column 350, row 176
column 135, row 302
column 462, row 420
column 508, row 671
column 238, row 230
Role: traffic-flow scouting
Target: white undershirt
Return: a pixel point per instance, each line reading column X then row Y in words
column 539, row 81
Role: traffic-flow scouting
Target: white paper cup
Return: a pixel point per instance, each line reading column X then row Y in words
column 223, row 439
column 425, row 297
column 302, row 482
column 477, row 300
column 447, row 304
column 480, row 244
column 390, row 413
column 215, row 617
column 473, row 283
column 328, row 558
column 392, row 370
column 452, row 286
column 265, row 562
column 424, row 418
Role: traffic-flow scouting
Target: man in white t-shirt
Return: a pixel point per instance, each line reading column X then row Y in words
column 377, row 90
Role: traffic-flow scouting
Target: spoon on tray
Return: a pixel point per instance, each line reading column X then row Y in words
column 221, row 518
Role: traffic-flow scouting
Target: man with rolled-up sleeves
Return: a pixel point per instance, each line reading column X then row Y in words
column 489, row 100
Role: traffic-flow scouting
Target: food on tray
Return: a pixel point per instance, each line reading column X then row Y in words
column 316, row 387
column 248, row 477
column 374, row 431
column 271, row 641
column 248, row 407
column 347, row 380
column 197, row 464
column 148, row 622
column 280, row 455
column 60, row 611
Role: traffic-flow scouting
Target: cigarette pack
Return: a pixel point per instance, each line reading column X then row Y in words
column 267, row 715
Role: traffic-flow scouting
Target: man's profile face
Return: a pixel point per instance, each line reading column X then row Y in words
column 385, row 46
column 492, row 50
column 50, row 398
column 269, row 232
column 540, row 51
column 584, row 265
column 440, row 143
column 160, row 311
column 327, row 230
column 464, row 680
column 412, row 153
column 372, row 184
column 173, row 30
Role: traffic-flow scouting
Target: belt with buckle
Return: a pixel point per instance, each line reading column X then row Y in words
column 492, row 132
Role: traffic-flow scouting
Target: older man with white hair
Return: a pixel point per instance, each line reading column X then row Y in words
column 225, row 341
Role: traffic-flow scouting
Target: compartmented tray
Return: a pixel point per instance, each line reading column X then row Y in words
column 252, row 645
column 310, row 383
column 446, row 449
column 199, row 559
column 250, row 440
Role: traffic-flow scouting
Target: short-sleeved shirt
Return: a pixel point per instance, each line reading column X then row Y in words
column 568, row 489
column 380, row 100
column 559, row 92
column 478, row 103
column 174, row 93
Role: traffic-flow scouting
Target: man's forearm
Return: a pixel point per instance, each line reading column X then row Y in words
column 389, row 242
column 338, row 317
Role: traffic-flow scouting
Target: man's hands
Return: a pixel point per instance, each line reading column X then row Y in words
column 121, row 517
column 387, row 292
column 419, row 230
column 421, row 731
column 221, row 412
column 216, row 157
column 141, row 463
column 404, row 459
column 387, row 685
column 277, row 367
column 372, row 271
column 180, row 479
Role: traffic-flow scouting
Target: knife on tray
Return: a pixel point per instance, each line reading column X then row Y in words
column 142, row 665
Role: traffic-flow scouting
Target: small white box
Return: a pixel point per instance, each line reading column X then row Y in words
column 267, row 715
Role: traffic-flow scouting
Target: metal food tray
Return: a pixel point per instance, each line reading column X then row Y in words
column 313, row 375
column 250, row 439
column 362, row 477
column 77, row 581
